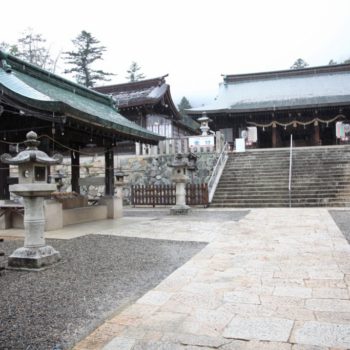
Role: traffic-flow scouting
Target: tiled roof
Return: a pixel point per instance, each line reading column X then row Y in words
column 148, row 91
column 308, row 87
column 41, row 89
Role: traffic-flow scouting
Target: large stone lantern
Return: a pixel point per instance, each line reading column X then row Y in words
column 180, row 178
column 33, row 187
column 204, row 120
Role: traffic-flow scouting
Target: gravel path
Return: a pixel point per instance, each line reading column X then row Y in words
column 55, row 308
column 342, row 219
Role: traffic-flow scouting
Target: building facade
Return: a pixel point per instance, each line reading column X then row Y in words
column 309, row 103
column 149, row 104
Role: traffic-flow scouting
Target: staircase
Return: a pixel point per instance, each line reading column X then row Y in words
column 259, row 178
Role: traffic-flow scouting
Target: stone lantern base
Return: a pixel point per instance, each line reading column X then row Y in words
column 180, row 209
column 33, row 258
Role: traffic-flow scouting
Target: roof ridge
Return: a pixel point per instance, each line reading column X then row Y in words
column 131, row 85
column 52, row 78
column 287, row 73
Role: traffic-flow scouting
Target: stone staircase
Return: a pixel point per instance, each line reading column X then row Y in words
column 259, row 178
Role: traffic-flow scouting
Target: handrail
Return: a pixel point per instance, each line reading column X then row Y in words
column 290, row 170
column 217, row 171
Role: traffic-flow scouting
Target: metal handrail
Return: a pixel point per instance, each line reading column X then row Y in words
column 290, row 170
column 217, row 171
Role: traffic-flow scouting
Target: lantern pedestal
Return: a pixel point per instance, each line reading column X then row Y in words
column 181, row 208
column 35, row 253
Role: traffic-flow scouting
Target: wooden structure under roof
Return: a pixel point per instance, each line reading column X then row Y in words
column 149, row 104
column 304, row 102
column 65, row 114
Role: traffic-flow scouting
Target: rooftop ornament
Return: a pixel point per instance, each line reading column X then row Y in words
column 33, row 186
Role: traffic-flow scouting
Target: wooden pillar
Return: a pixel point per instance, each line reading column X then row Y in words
column 274, row 136
column 317, row 139
column 109, row 171
column 4, row 174
column 75, row 170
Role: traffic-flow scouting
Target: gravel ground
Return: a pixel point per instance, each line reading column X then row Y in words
column 54, row 308
column 342, row 219
column 195, row 215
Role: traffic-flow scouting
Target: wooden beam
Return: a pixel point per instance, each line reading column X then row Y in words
column 4, row 174
column 75, row 169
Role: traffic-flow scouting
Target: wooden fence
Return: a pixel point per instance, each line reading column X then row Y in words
column 166, row 194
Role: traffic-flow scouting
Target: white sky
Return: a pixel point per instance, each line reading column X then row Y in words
column 195, row 41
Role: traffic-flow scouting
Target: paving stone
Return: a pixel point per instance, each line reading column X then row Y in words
column 197, row 340
column 330, row 293
column 298, row 292
column 335, row 305
column 155, row 298
column 323, row 334
column 120, row 344
column 238, row 297
column 333, row 317
column 308, row 347
column 163, row 321
column 271, row 329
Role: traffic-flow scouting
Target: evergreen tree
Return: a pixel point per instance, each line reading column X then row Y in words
column 133, row 74
column 87, row 51
column 332, row 62
column 184, row 104
column 298, row 64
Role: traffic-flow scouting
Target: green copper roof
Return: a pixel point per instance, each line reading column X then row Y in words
column 41, row 89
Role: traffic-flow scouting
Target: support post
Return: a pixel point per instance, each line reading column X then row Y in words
column 317, row 139
column 274, row 136
column 75, row 170
column 109, row 171
column 4, row 174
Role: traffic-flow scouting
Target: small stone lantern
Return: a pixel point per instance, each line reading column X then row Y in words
column 119, row 183
column 33, row 187
column 180, row 178
column 204, row 120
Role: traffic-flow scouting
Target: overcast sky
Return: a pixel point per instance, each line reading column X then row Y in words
column 194, row 41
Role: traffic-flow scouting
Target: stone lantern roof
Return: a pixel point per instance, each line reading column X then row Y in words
column 31, row 154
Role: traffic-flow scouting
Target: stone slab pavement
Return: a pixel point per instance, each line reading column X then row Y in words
column 276, row 279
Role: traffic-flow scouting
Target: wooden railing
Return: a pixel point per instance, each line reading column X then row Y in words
column 166, row 194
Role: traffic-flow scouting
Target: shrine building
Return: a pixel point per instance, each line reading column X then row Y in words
column 308, row 103
column 149, row 104
column 67, row 117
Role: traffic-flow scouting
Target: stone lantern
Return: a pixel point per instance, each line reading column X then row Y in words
column 33, row 187
column 204, row 120
column 180, row 178
column 119, row 183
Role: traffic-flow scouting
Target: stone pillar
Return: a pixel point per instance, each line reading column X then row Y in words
column 109, row 172
column 317, row 139
column 75, row 170
column 4, row 174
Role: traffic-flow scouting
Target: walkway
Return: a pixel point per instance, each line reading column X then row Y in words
column 277, row 279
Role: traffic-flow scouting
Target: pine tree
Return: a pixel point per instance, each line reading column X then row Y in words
column 87, row 51
column 298, row 64
column 184, row 104
column 133, row 74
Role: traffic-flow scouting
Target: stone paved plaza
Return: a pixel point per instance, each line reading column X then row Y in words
column 267, row 279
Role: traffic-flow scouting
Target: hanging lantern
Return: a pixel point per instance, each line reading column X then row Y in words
column 274, row 124
column 285, row 127
column 294, row 124
column 263, row 128
column 316, row 122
